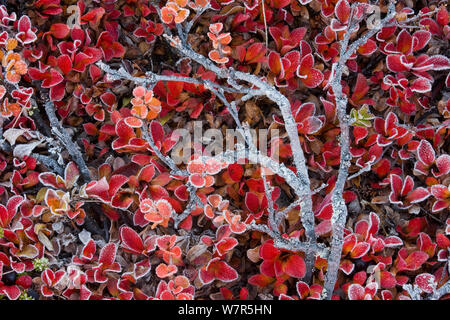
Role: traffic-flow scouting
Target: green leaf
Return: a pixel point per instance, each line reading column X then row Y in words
column 125, row 101
column 362, row 117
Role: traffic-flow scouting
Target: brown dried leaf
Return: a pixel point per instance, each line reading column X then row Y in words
column 253, row 254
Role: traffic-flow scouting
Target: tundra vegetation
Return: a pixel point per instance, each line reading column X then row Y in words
column 333, row 185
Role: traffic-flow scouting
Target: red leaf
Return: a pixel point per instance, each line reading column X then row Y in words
column 235, row 171
column 393, row 241
column 309, row 76
column 57, row 92
column 425, row 244
column 52, row 78
column 325, row 212
column 397, row 63
column 256, row 53
column 217, row 269
column 396, row 187
column 88, row 250
column 213, row 166
column 360, row 277
column 64, row 64
column 426, row 282
column 131, row 241
column 342, row 11
column 439, row 62
column 156, row 131
column 59, row 30
column 225, row 245
column 310, row 125
column 421, row 39
column 164, row 271
column 93, row 16
column 360, row 250
column 442, row 16
column 443, row 165
column 25, row 34
column 146, row 173
column 115, row 183
column 260, row 280
column 12, row 292
column 440, row 191
column 387, row 280
column 302, row 289
column 197, row 180
column 421, row 85
column 99, row 189
column 442, row 241
column 122, row 200
column 110, row 48
column 418, row 195
column 414, row 261
column 349, row 243
column 108, row 254
column 25, row 281
column 224, row 272
column 404, row 42
column 368, row 48
column 323, row 227
column 360, row 90
column 346, row 266
column 425, row 153
column 275, row 64
column 7, row 213
column 108, row 98
column 267, row 251
column 356, row 292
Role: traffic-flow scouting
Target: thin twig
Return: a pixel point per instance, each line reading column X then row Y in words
column 339, row 216
column 65, row 139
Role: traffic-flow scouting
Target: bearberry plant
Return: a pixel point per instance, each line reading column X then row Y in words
column 224, row 149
